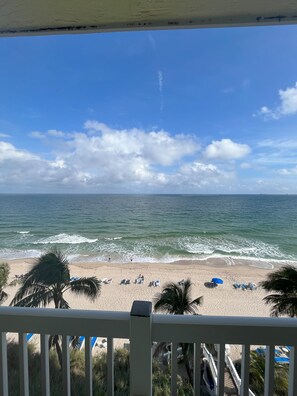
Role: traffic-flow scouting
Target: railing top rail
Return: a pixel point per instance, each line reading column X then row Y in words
column 61, row 313
column 208, row 320
column 178, row 328
column 224, row 329
column 65, row 322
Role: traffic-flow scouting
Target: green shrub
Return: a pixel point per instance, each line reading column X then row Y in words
column 161, row 375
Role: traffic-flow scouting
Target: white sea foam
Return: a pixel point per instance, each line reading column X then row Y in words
column 8, row 254
column 233, row 246
column 23, row 232
column 64, row 239
column 113, row 238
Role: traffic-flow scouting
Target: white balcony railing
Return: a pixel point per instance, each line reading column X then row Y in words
column 142, row 328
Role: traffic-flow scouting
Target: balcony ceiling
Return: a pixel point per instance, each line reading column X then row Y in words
column 37, row 17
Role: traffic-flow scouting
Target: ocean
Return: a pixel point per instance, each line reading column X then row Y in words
column 150, row 228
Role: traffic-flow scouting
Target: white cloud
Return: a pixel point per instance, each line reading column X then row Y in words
column 283, row 144
column 106, row 159
column 9, row 152
column 37, row 135
column 155, row 147
column 226, row 149
column 4, row 135
column 201, row 175
column 245, row 165
column 160, row 83
column 99, row 158
column 288, row 171
column 50, row 133
column 287, row 106
column 160, row 80
column 55, row 133
column 152, row 41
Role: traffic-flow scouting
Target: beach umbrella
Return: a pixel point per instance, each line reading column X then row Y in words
column 218, row 281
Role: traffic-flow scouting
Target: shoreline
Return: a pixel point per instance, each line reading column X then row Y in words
column 211, row 262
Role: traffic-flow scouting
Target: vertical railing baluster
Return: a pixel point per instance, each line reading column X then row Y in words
column 293, row 372
column 221, row 369
column 88, row 367
column 269, row 370
column 24, row 372
column 45, row 373
column 3, row 365
column 110, row 367
column 197, row 368
column 141, row 348
column 174, row 346
column 66, row 366
column 245, row 370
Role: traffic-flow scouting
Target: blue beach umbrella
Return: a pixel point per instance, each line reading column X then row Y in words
column 218, row 281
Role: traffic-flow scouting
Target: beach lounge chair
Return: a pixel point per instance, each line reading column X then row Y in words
column 29, row 336
column 139, row 280
column 282, row 359
column 93, row 342
column 127, row 282
column 252, row 286
column 81, row 342
column 123, row 282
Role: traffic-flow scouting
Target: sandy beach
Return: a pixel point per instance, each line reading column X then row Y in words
column 223, row 300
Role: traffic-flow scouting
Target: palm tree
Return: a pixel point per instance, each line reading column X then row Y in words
column 284, row 283
column 176, row 299
column 47, row 282
column 257, row 375
column 4, row 273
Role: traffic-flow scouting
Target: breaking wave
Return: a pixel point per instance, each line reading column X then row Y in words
column 64, row 239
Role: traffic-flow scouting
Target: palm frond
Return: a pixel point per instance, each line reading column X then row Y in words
column 50, row 268
column 283, row 283
column 3, row 296
column 88, row 287
column 193, row 305
column 34, row 299
column 63, row 304
column 175, row 299
column 282, row 304
column 26, row 290
column 283, row 280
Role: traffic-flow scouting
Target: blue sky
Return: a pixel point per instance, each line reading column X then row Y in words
column 181, row 111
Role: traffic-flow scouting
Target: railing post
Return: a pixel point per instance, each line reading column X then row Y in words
column 245, row 370
column 141, row 349
column 3, row 365
column 23, row 364
column 269, row 370
column 293, row 372
column 45, row 373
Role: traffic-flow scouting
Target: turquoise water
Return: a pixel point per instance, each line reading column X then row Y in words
column 150, row 228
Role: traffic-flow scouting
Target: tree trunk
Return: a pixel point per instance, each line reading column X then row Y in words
column 186, row 356
column 59, row 352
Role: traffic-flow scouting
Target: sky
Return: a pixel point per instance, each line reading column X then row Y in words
column 198, row 111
